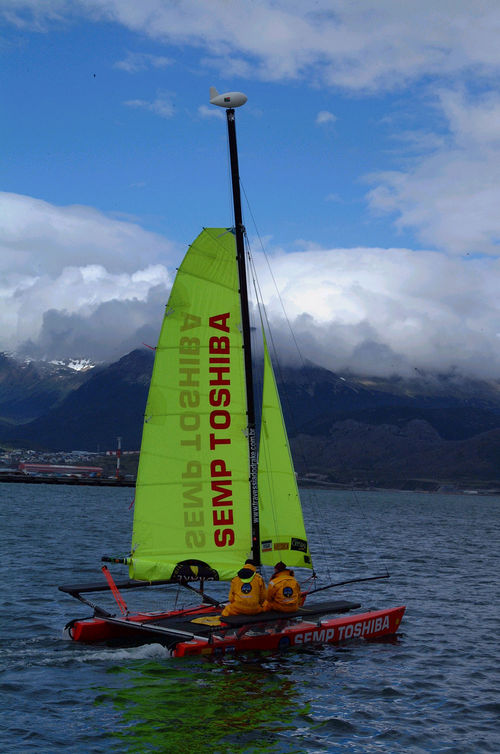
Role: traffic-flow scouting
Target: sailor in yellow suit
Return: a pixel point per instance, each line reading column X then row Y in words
column 247, row 592
column 283, row 592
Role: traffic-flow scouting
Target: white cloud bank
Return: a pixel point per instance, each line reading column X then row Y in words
column 368, row 44
column 72, row 264
column 75, row 276
column 389, row 311
column 375, row 311
column 38, row 236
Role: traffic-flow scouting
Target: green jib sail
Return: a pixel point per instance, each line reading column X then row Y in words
column 282, row 532
column 192, row 505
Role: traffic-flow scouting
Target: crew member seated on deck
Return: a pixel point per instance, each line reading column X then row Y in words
column 283, row 592
column 247, row 592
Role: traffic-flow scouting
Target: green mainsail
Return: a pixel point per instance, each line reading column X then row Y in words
column 192, row 514
column 192, row 496
column 282, row 531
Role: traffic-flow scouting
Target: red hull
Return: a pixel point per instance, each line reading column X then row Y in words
column 96, row 630
column 330, row 631
column 258, row 637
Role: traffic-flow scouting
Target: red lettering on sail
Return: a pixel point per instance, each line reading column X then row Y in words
column 219, row 468
column 219, row 321
column 214, row 441
column 220, row 419
column 223, row 516
column 224, row 493
column 224, row 537
column 219, row 345
column 220, row 397
column 219, row 368
column 222, row 374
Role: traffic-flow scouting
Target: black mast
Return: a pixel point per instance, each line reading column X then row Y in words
column 245, row 321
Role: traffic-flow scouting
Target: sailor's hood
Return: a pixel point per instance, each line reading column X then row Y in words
column 247, row 572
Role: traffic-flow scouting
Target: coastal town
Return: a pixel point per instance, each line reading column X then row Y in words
column 74, row 467
column 118, row 468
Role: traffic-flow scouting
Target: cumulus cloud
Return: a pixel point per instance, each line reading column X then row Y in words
column 72, row 261
column 104, row 332
column 84, row 311
column 38, row 237
column 451, row 194
column 73, row 277
column 387, row 311
column 367, row 310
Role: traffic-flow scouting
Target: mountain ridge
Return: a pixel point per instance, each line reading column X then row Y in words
column 342, row 427
column 29, row 388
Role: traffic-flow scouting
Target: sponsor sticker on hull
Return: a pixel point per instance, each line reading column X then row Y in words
column 359, row 630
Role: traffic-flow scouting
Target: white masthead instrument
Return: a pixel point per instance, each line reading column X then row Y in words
column 229, row 99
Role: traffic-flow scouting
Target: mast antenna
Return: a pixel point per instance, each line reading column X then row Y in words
column 229, row 99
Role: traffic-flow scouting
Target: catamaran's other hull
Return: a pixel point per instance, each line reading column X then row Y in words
column 284, row 633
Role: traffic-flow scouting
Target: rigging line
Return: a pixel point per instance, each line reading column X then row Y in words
column 325, row 542
column 262, row 314
column 267, row 328
column 302, row 360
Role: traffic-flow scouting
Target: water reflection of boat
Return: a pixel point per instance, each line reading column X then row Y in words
column 207, row 498
column 202, row 708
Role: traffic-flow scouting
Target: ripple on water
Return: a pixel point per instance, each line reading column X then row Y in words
column 432, row 690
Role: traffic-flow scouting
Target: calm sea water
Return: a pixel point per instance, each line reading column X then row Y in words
column 433, row 689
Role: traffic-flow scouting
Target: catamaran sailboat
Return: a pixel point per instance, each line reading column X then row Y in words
column 207, row 498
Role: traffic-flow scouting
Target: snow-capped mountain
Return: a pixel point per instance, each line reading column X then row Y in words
column 78, row 365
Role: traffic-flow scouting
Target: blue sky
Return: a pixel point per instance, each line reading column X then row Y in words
column 87, row 126
column 369, row 154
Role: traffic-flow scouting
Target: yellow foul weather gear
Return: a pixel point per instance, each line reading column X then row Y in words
column 247, row 593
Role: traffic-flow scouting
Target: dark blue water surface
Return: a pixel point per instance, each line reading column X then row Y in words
column 433, row 689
